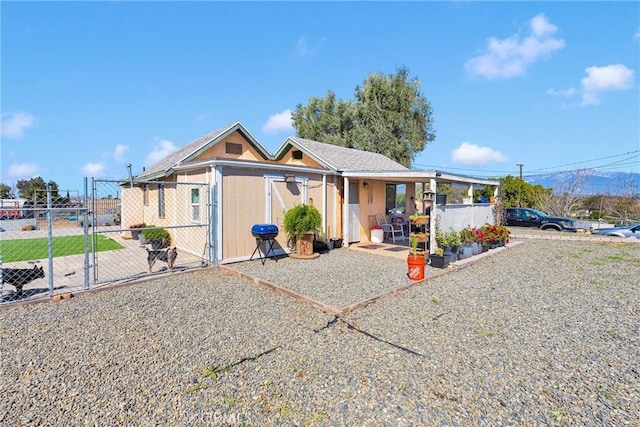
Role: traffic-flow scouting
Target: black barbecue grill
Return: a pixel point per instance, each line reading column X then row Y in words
column 265, row 234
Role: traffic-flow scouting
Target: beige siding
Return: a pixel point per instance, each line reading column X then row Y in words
column 219, row 150
column 372, row 202
column 305, row 161
column 245, row 203
column 131, row 206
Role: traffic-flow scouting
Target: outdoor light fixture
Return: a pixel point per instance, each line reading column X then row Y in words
column 289, row 178
column 365, row 184
column 428, row 195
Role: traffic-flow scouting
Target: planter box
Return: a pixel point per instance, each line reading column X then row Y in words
column 438, row 261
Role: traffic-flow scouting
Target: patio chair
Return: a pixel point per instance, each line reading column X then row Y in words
column 392, row 230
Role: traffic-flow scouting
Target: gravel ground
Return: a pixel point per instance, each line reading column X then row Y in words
column 544, row 333
column 338, row 278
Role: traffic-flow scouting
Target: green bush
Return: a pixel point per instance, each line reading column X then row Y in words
column 157, row 235
column 452, row 239
column 301, row 219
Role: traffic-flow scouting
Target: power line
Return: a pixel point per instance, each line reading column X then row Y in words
column 588, row 161
column 488, row 173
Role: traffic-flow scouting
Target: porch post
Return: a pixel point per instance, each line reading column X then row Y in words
column 324, row 207
column 432, row 216
column 345, row 213
column 215, row 231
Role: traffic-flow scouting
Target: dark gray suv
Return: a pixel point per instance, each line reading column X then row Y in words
column 527, row 217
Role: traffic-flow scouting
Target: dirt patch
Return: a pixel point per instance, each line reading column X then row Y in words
column 58, row 223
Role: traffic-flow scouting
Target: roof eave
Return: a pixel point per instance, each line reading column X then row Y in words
column 418, row 176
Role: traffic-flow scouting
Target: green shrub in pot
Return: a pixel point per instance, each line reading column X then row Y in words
column 158, row 237
column 301, row 219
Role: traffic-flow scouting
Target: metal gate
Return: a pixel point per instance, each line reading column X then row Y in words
column 57, row 245
column 141, row 228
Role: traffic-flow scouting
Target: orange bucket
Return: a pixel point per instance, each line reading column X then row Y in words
column 416, row 267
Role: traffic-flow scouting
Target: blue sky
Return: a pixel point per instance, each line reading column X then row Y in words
column 90, row 86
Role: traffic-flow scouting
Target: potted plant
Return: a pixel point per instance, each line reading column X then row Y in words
column 438, row 259
column 300, row 224
column 159, row 238
column 451, row 244
column 416, row 260
column 135, row 230
column 495, row 235
column 466, row 242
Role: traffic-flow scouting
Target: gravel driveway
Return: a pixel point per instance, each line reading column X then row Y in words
column 544, row 333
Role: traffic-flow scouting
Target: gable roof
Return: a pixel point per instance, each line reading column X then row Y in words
column 340, row 159
column 190, row 151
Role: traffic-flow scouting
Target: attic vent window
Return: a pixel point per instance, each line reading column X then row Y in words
column 297, row 154
column 232, row 148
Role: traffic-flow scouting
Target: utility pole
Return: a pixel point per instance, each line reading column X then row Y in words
column 520, row 165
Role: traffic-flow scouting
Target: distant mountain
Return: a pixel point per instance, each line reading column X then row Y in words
column 597, row 182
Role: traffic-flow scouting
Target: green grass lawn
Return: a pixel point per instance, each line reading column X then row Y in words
column 29, row 249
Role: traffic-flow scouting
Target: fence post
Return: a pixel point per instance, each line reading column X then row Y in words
column 213, row 225
column 50, row 238
column 85, row 229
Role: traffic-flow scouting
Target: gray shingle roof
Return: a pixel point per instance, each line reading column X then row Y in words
column 345, row 159
column 163, row 167
column 189, row 151
column 331, row 156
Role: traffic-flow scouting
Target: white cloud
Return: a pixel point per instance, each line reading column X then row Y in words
column 303, row 48
column 15, row 124
column 472, row 154
column 23, row 170
column 118, row 153
column 510, row 57
column 605, row 79
column 94, row 170
column 636, row 36
column 563, row 92
column 280, row 122
column 162, row 149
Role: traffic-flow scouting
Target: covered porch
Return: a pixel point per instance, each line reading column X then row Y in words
column 367, row 200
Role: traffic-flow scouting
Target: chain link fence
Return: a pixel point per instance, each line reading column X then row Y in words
column 111, row 232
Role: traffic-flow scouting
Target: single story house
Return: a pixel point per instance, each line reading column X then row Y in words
column 210, row 192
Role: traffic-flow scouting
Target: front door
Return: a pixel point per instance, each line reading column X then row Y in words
column 354, row 212
column 283, row 196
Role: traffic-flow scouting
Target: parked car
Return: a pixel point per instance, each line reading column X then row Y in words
column 104, row 219
column 632, row 230
column 527, row 217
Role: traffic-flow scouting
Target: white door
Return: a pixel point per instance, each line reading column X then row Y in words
column 282, row 195
column 354, row 213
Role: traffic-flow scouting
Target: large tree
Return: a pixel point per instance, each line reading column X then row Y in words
column 389, row 116
column 516, row 193
column 325, row 119
column 37, row 186
column 6, row 192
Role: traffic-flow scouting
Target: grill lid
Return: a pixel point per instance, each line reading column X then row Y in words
column 264, row 231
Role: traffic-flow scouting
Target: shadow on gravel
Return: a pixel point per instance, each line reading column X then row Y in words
column 351, row 327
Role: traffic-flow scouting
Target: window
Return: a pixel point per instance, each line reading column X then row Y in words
column 395, row 198
column 296, row 154
column 195, row 204
column 160, row 200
